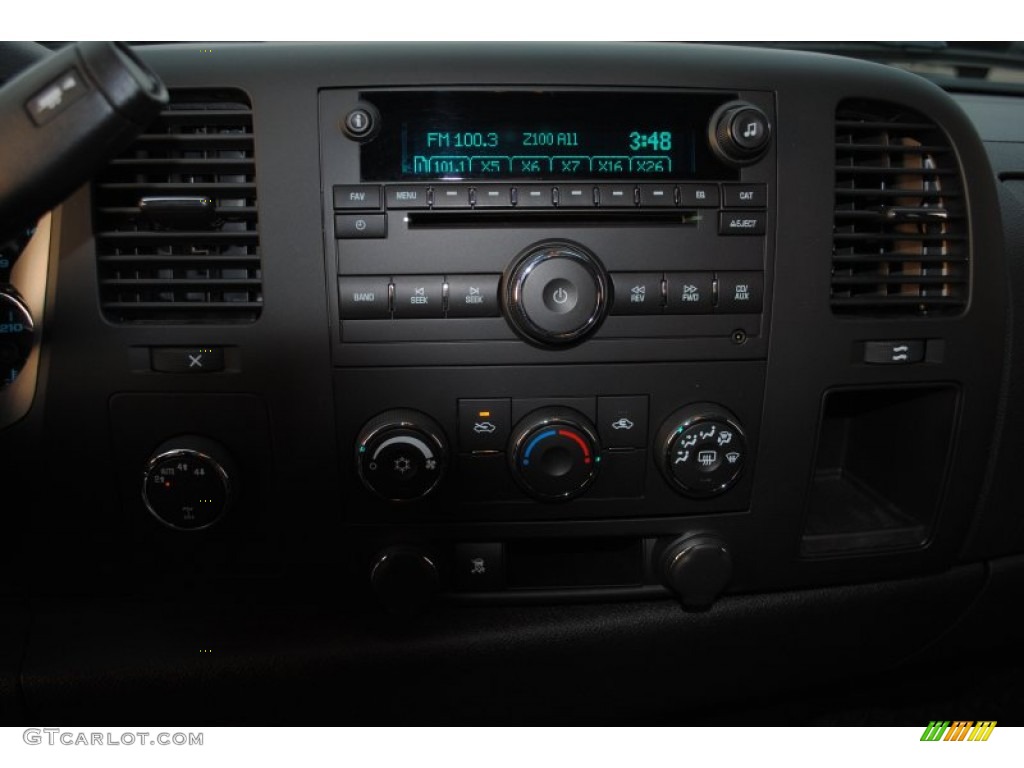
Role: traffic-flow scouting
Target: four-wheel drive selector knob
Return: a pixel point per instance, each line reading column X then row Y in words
column 556, row 293
column 701, row 450
column 554, row 454
column 187, row 483
column 401, row 455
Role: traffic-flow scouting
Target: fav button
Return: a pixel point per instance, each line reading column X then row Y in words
column 355, row 196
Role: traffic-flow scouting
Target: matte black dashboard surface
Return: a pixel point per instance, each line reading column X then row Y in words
column 862, row 528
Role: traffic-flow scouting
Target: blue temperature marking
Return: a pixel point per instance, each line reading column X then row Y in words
column 537, row 439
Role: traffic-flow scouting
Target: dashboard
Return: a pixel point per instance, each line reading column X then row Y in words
column 650, row 383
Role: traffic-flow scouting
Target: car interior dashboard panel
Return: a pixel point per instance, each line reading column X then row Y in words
column 381, row 368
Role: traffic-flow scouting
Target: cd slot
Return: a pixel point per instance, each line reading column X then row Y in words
column 555, row 218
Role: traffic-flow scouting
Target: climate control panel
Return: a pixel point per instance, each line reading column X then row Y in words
column 666, row 452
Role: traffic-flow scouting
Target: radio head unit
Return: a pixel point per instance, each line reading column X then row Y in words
column 485, row 226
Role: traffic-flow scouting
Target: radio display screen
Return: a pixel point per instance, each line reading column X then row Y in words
column 541, row 135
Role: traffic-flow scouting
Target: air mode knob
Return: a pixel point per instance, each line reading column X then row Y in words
column 739, row 133
column 701, row 450
column 554, row 454
column 556, row 293
column 401, row 455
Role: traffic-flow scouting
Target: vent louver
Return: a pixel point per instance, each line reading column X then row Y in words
column 175, row 219
column 900, row 240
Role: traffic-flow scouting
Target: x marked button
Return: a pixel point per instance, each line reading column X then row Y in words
column 187, row 359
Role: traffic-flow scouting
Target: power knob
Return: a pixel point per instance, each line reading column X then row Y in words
column 554, row 454
column 556, row 294
column 401, row 455
column 739, row 133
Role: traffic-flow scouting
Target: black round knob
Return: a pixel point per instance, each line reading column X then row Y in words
column 556, row 293
column 554, row 454
column 696, row 568
column 739, row 133
column 360, row 123
column 16, row 333
column 401, row 455
column 186, row 484
column 404, row 578
column 701, row 450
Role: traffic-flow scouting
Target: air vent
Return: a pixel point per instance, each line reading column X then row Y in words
column 901, row 240
column 175, row 219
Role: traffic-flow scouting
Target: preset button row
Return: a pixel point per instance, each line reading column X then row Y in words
column 369, row 197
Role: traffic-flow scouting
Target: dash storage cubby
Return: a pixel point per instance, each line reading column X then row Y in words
column 880, row 469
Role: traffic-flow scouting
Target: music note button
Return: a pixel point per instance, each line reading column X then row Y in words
column 749, row 129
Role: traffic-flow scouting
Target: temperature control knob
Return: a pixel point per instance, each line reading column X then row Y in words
column 15, row 337
column 186, row 484
column 401, row 455
column 554, row 454
column 556, row 293
column 702, row 450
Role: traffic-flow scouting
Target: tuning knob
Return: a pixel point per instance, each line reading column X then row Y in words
column 556, row 294
column 701, row 450
column 187, row 485
column 554, row 454
column 739, row 133
column 16, row 331
column 696, row 568
column 401, row 455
